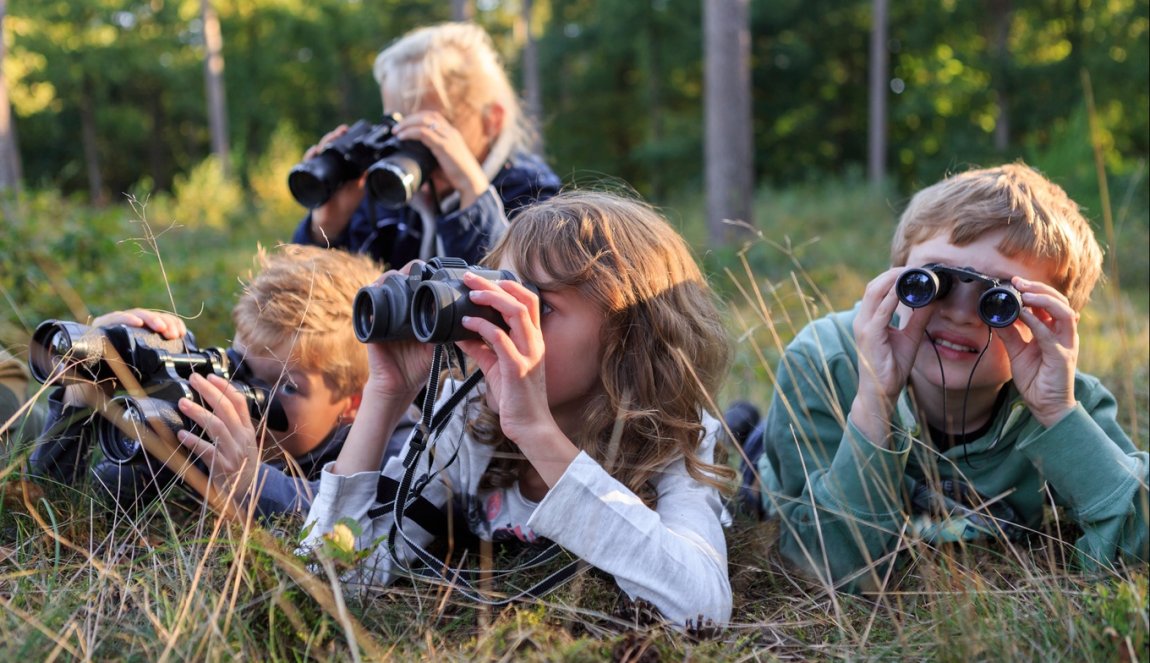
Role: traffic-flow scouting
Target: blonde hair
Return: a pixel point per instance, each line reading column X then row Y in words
column 302, row 297
column 1041, row 222
column 661, row 328
column 457, row 61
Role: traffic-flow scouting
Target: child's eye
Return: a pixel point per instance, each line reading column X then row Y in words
column 289, row 388
column 545, row 308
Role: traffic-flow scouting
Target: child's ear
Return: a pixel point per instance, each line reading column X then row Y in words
column 493, row 115
column 352, row 409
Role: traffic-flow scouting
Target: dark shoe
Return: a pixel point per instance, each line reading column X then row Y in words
column 743, row 418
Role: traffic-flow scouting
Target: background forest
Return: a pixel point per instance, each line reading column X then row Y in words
column 114, row 192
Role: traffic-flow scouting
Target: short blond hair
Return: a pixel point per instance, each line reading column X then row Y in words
column 457, row 61
column 1041, row 222
column 302, row 296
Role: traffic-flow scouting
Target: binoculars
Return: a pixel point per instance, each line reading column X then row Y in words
column 427, row 306
column 148, row 375
column 998, row 305
column 395, row 168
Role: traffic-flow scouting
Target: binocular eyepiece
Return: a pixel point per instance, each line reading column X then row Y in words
column 427, row 306
column 395, row 168
column 998, row 306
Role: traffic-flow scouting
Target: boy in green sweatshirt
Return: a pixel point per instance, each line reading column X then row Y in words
column 947, row 405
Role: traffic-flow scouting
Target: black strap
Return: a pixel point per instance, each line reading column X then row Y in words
column 405, row 494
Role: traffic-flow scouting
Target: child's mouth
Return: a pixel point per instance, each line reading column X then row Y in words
column 943, row 343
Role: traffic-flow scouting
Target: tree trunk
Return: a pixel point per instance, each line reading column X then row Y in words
column 531, row 83
column 656, row 114
column 10, row 168
column 1000, row 11
column 461, row 10
column 728, row 158
column 214, row 82
column 88, row 133
column 879, row 77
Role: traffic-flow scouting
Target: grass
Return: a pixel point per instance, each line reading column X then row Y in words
column 78, row 581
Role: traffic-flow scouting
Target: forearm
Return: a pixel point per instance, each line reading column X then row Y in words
column 312, row 233
column 1110, row 505
column 674, row 557
column 277, row 493
column 379, row 414
column 841, row 508
column 351, row 498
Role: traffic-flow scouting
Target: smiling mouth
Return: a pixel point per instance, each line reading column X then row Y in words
column 938, row 342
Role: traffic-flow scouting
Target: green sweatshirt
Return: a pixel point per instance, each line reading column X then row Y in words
column 845, row 503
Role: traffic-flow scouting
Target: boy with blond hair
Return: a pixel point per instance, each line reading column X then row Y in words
column 294, row 332
column 947, row 404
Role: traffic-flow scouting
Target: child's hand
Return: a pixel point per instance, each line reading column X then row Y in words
column 457, row 162
column 232, row 455
column 1043, row 367
column 511, row 361
column 168, row 325
column 886, row 354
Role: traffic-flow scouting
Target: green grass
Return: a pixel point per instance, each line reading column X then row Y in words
column 78, row 582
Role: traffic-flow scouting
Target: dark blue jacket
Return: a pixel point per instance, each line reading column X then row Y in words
column 393, row 236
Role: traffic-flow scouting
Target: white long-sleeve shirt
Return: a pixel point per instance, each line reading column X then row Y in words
column 673, row 556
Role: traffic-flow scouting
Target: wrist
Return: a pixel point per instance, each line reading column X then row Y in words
column 871, row 415
column 380, row 390
column 1050, row 416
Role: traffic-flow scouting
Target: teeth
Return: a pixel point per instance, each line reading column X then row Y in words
column 953, row 346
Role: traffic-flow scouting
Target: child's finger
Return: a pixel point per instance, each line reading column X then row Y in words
column 525, row 296
column 480, row 352
column 513, row 302
column 199, row 447
column 239, row 404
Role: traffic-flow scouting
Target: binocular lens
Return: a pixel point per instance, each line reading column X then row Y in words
column 393, row 181
column 434, row 313
column 999, row 307
column 363, row 315
column 308, row 189
column 917, row 287
column 380, row 313
column 45, row 357
column 119, row 435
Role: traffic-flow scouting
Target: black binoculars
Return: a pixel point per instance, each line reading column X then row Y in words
column 998, row 306
column 147, row 373
column 427, row 306
column 395, row 168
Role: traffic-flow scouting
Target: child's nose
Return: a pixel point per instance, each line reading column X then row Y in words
column 960, row 305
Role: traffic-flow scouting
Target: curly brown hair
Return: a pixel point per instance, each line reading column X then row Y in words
column 665, row 351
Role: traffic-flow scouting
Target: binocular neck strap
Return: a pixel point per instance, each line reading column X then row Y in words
column 404, row 501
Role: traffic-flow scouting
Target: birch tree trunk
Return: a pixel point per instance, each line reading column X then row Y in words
column 879, row 77
column 532, row 96
column 214, row 82
column 728, row 159
column 10, row 168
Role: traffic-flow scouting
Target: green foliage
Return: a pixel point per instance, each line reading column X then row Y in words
column 622, row 85
column 1121, row 609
